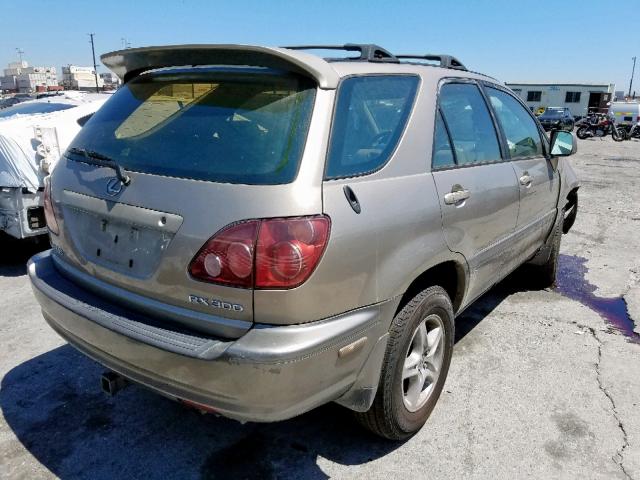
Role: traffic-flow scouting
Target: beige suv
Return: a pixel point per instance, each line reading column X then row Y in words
column 257, row 231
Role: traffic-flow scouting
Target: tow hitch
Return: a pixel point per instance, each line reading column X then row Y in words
column 112, row 383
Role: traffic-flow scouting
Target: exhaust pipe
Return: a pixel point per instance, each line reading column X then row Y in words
column 112, row 383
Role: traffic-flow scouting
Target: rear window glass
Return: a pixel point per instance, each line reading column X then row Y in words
column 232, row 127
column 33, row 109
column 369, row 119
column 442, row 151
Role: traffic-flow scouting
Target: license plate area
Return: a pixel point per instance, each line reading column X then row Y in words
column 121, row 246
column 124, row 245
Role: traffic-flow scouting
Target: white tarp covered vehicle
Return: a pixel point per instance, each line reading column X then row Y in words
column 33, row 135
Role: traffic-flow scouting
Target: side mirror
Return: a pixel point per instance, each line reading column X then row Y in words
column 82, row 120
column 563, row 143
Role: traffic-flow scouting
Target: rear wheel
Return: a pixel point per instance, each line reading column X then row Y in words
column 415, row 366
column 618, row 134
column 582, row 133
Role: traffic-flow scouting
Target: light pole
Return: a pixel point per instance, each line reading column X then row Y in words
column 633, row 69
column 95, row 67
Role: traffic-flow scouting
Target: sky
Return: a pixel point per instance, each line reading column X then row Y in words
column 513, row 41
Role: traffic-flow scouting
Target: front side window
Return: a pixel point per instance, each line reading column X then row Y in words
column 520, row 129
column 470, row 125
column 534, row 96
column 370, row 116
column 212, row 125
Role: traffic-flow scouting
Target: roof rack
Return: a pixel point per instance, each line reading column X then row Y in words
column 369, row 52
column 446, row 61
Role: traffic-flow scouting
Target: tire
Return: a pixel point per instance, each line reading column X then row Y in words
column 543, row 275
column 582, row 133
column 570, row 212
column 618, row 134
column 389, row 416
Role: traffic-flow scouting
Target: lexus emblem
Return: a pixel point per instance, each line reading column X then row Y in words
column 114, row 187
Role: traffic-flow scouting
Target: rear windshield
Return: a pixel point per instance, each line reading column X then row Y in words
column 233, row 127
column 552, row 112
column 33, row 108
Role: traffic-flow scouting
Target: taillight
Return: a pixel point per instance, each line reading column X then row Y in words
column 49, row 214
column 227, row 257
column 288, row 250
column 269, row 253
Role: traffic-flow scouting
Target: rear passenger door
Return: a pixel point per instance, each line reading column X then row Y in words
column 537, row 178
column 478, row 190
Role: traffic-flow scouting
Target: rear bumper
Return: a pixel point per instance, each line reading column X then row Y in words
column 547, row 126
column 270, row 373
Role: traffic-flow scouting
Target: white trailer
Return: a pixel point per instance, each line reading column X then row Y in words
column 626, row 113
column 579, row 98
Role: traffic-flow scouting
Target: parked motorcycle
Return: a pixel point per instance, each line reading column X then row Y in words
column 591, row 119
column 634, row 131
column 601, row 127
column 629, row 130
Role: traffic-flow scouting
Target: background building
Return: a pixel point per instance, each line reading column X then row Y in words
column 80, row 78
column 20, row 77
column 111, row 80
column 578, row 97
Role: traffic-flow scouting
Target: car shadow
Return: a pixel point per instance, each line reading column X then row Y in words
column 56, row 409
column 15, row 253
column 518, row 281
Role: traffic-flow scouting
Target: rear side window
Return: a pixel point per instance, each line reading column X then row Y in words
column 243, row 126
column 470, row 125
column 370, row 116
column 520, row 129
column 442, row 152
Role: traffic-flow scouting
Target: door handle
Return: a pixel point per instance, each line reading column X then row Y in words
column 526, row 179
column 456, row 196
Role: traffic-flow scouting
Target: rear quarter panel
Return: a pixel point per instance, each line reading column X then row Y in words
column 375, row 255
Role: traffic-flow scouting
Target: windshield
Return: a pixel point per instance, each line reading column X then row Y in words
column 552, row 112
column 33, row 108
column 243, row 126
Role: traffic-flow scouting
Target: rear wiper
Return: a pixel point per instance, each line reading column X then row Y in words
column 95, row 158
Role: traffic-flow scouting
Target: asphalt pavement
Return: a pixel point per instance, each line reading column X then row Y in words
column 543, row 383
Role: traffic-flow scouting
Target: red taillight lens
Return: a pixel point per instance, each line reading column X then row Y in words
column 271, row 253
column 49, row 214
column 288, row 250
column 227, row 257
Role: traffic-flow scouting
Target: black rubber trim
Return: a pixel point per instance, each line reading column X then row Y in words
column 46, row 279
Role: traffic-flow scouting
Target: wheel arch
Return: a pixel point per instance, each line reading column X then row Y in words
column 450, row 275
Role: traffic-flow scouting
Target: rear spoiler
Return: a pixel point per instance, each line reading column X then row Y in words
column 128, row 64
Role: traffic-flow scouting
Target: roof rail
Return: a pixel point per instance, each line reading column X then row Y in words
column 446, row 61
column 369, row 52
